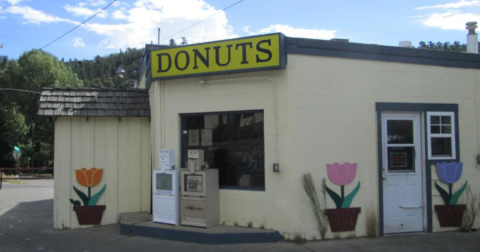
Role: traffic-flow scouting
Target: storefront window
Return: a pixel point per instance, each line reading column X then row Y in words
column 233, row 143
column 441, row 135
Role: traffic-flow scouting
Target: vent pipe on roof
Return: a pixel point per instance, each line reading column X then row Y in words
column 472, row 37
column 406, row 44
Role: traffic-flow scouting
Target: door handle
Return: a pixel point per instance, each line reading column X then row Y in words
column 410, row 207
column 383, row 174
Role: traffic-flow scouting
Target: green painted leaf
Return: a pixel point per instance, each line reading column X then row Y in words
column 443, row 193
column 348, row 200
column 456, row 196
column 75, row 202
column 335, row 197
column 94, row 199
column 82, row 196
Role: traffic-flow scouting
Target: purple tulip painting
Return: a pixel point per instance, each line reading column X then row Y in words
column 450, row 173
column 342, row 175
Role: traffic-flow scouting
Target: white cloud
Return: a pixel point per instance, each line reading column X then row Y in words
column 298, row 32
column 78, row 42
column 118, row 14
column 98, row 2
column 141, row 23
column 450, row 20
column 36, row 16
column 454, row 5
column 79, row 10
column 449, row 16
column 14, row 2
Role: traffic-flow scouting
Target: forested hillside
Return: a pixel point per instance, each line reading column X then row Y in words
column 100, row 72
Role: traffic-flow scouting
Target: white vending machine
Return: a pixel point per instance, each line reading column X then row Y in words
column 200, row 195
column 166, row 190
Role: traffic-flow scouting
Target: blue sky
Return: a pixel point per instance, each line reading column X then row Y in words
column 30, row 24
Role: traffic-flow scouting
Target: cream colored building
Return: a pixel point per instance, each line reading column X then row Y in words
column 396, row 112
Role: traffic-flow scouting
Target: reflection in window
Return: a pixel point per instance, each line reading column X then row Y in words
column 233, row 143
column 400, row 131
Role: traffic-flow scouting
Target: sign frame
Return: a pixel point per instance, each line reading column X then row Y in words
column 282, row 54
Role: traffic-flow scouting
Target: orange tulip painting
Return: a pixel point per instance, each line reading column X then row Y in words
column 89, row 213
column 88, row 178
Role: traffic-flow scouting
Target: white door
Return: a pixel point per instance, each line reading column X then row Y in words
column 402, row 173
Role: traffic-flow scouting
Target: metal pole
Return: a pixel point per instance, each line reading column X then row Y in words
column 1, row 178
column 159, row 36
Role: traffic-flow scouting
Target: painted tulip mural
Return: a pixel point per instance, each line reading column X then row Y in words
column 342, row 175
column 450, row 214
column 89, row 213
column 344, row 218
column 450, row 173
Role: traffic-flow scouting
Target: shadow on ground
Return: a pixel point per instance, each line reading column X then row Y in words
column 28, row 227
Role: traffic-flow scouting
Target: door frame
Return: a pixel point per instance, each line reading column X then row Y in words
column 418, row 121
column 382, row 107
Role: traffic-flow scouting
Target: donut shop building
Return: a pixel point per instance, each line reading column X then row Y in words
column 370, row 121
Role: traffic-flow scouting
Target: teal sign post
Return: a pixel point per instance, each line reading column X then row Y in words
column 16, row 152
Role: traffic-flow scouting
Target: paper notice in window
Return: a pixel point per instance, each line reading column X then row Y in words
column 207, row 137
column 193, row 137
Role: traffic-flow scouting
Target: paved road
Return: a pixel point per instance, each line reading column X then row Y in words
column 26, row 225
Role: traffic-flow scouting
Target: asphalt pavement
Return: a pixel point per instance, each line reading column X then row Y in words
column 26, row 221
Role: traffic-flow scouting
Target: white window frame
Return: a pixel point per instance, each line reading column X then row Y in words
column 451, row 135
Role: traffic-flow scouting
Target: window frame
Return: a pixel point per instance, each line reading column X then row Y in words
column 451, row 135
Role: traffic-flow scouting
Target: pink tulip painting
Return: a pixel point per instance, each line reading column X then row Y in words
column 342, row 175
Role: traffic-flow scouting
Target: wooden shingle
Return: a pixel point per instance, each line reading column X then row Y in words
column 94, row 102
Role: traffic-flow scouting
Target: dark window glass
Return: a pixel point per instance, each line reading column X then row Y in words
column 400, row 131
column 232, row 142
column 435, row 119
column 164, row 182
column 435, row 129
column 446, row 120
column 446, row 129
column 441, row 146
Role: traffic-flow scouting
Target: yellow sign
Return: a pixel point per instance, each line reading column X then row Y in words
column 238, row 55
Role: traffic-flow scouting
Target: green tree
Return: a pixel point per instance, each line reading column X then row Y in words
column 15, row 133
column 184, row 41
column 33, row 70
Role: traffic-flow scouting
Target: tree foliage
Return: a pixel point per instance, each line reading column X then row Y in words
column 439, row 46
column 32, row 71
column 100, row 72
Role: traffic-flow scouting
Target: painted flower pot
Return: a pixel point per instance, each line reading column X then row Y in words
column 343, row 219
column 89, row 215
column 450, row 215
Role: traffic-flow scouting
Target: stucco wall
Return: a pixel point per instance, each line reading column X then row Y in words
column 122, row 149
column 319, row 110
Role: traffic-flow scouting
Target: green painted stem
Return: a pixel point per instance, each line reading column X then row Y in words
column 450, row 188
column 343, row 192
column 90, row 192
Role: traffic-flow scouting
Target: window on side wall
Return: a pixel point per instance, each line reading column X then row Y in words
column 233, row 143
column 441, row 135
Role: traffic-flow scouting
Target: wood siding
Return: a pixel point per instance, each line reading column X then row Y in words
column 121, row 148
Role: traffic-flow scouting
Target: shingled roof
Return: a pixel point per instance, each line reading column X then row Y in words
column 94, row 102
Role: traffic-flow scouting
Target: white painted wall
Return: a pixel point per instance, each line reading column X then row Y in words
column 122, row 149
column 326, row 113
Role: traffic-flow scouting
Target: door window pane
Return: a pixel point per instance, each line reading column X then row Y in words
column 400, row 131
column 401, row 159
